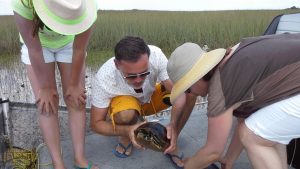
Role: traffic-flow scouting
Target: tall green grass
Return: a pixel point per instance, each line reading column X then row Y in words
column 164, row 29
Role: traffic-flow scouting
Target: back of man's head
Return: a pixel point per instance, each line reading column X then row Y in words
column 131, row 48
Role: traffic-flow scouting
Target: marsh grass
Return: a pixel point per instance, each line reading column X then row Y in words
column 164, row 29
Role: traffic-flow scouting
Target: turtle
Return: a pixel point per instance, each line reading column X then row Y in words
column 152, row 135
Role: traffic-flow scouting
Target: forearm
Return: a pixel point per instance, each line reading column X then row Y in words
column 177, row 110
column 187, row 109
column 106, row 128
column 79, row 53
column 217, row 135
column 35, row 51
column 202, row 158
column 39, row 68
column 78, row 62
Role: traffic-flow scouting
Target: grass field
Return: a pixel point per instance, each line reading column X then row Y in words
column 164, row 29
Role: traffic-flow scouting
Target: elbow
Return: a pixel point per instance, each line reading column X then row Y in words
column 93, row 126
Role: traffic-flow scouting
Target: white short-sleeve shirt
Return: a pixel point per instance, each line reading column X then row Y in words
column 109, row 82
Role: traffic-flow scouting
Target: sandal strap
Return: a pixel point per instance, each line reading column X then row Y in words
column 125, row 148
column 90, row 164
column 177, row 156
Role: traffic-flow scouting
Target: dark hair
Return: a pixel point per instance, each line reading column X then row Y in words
column 36, row 20
column 209, row 75
column 131, row 48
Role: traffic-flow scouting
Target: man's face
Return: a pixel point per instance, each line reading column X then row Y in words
column 134, row 73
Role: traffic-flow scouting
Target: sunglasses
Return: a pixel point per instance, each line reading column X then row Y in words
column 134, row 76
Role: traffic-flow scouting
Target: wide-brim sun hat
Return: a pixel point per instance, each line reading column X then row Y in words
column 67, row 17
column 188, row 63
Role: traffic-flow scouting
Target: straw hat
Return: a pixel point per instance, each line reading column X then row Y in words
column 67, row 17
column 189, row 63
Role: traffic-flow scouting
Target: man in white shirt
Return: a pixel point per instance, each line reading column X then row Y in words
column 130, row 85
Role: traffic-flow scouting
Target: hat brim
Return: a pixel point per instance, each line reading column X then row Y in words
column 206, row 63
column 67, row 29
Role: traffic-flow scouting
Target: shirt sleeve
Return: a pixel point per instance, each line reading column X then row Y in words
column 162, row 62
column 216, row 100
column 100, row 97
column 22, row 8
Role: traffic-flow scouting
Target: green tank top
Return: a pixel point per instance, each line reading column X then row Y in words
column 48, row 38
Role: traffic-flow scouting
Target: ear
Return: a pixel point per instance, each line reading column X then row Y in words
column 117, row 63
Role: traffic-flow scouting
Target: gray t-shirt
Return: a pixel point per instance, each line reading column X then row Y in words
column 261, row 71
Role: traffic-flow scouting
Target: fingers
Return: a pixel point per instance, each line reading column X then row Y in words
column 170, row 149
column 76, row 99
column 53, row 107
column 132, row 138
column 82, row 100
column 169, row 132
column 136, row 144
column 172, row 136
column 41, row 107
column 228, row 50
column 47, row 103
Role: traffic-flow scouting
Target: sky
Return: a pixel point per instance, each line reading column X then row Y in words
column 181, row 5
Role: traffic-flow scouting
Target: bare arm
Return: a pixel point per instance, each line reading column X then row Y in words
column 180, row 113
column 100, row 125
column 76, row 92
column 79, row 52
column 218, row 132
column 47, row 98
column 33, row 44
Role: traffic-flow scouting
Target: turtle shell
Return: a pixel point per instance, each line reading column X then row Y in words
column 152, row 135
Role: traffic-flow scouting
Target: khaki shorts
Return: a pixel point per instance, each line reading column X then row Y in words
column 125, row 102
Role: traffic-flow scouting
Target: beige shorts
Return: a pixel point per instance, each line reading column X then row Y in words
column 63, row 54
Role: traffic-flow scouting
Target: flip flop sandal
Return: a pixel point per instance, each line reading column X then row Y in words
column 90, row 165
column 123, row 154
column 180, row 157
column 212, row 166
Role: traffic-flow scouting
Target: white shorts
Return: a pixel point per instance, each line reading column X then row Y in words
column 63, row 54
column 278, row 122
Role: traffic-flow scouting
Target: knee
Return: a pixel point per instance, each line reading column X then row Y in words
column 126, row 117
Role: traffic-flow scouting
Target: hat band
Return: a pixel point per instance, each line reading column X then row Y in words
column 62, row 20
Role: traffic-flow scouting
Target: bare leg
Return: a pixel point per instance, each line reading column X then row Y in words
column 49, row 124
column 235, row 148
column 262, row 153
column 281, row 150
column 125, row 117
column 77, row 117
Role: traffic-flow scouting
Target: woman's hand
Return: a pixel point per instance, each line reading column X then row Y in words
column 226, row 164
column 75, row 96
column 172, row 135
column 47, row 101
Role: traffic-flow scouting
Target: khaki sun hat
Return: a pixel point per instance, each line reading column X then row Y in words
column 188, row 63
column 67, row 17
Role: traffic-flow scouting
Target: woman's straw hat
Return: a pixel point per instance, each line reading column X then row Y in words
column 67, row 17
column 189, row 63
